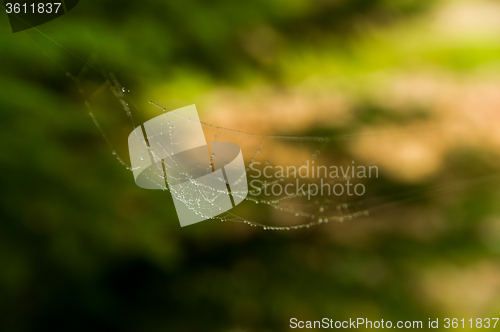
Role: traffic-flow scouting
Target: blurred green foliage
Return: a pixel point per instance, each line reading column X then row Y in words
column 82, row 248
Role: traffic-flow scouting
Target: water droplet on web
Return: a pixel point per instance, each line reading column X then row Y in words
column 123, row 90
column 142, row 158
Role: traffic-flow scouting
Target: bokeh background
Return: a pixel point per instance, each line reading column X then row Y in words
column 412, row 85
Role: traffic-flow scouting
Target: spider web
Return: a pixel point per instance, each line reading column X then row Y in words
column 285, row 212
column 303, row 210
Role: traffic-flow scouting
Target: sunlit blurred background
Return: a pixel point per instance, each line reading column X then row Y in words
column 411, row 86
